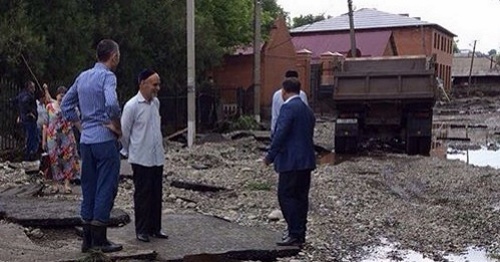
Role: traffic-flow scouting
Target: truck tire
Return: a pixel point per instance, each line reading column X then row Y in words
column 424, row 145
column 412, row 147
column 346, row 145
column 340, row 145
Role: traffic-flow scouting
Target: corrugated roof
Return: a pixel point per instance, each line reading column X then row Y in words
column 366, row 18
column 482, row 67
column 369, row 43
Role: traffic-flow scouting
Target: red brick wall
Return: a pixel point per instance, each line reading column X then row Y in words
column 278, row 56
column 428, row 41
column 236, row 71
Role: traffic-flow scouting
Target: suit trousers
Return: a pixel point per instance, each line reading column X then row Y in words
column 99, row 180
column 148, row 182
column 293, row 197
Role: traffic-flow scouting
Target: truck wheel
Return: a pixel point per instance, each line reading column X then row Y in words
column 424, row 145
column 351, row 145
column 412, row 145
column 346, row 145
column 340, row 145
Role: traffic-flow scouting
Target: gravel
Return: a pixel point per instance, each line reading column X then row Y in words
column 427, row 204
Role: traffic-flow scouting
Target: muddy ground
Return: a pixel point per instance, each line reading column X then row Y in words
column 428, row 204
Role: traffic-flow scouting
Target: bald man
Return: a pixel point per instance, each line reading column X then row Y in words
column 142, row 143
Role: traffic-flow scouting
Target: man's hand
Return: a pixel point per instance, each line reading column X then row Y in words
column 45, row 87
column 115, row 127
column 266, row 162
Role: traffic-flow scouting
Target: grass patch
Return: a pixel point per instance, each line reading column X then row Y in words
column 262, row 186
column 95, row 256
column 244, row 123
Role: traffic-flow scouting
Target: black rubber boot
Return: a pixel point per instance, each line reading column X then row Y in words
column 87, row 238
column 100, row 240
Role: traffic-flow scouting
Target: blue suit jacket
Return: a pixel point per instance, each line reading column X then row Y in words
column 292, row 147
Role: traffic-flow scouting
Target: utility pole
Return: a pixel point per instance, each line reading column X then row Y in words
column 256, row 60
column 471, row 65
column 191, row 90
column 351, row 28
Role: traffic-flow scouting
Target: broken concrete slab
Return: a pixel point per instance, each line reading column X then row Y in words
column 46, row 212
column 17, row 246
column 126, row 255
column 194, row 234
column 28, row 166
column 31, row 190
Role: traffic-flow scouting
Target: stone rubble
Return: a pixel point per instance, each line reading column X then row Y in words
column 427, row 204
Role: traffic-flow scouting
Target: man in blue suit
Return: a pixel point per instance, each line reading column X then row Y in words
column 292, row 152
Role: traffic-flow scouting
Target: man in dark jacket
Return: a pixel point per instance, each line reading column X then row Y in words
column 292, row 152
column 26, row 104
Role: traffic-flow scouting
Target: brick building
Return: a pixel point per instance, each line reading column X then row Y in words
column 277, row 56
column 380, row 34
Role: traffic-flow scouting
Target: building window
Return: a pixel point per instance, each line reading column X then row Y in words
column 439, row 41
column 435, row 40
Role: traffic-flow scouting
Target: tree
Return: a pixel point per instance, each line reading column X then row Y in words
column 58, row 37
column 306, row 20
column 455, row 47
column 18, row 40
column 492, row 52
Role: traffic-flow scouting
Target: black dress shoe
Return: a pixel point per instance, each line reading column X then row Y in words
column 291, row 241
column 159, row 234
column 142, row 237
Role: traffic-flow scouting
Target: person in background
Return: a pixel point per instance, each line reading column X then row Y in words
column 94, row 94
column 59, row 140
column 278, row 100
column 142, row 143
column 292, row 152
column 28, row 115
column 43, row 118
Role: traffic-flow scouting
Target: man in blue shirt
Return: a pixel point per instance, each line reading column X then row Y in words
column 94, row 93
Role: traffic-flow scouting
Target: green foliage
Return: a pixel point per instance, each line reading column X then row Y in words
column 259, row 186
column 95, row 256
column 455, row 47
column 244, row 123
column 19, row 39
column 306, row 20
column 58, row 37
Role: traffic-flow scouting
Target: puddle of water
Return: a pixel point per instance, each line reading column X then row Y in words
column 332, row 158
column 385, row 253
column 480, row 157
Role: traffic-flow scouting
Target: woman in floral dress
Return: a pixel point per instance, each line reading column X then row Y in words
column 61, row 145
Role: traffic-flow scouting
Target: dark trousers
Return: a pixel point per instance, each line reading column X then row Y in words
column 99, row 180
column 148, row 182
column 293, row 197
column 32, row 140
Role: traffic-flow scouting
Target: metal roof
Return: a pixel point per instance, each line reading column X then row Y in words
column 369, row 43
column 366, row 18
column 482, row 66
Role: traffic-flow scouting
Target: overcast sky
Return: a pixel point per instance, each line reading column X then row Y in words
column 469, row 20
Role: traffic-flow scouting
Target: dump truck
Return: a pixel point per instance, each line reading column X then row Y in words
column 384, row 98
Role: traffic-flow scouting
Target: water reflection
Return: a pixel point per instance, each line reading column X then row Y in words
column 388, row 253
column 485, row 156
